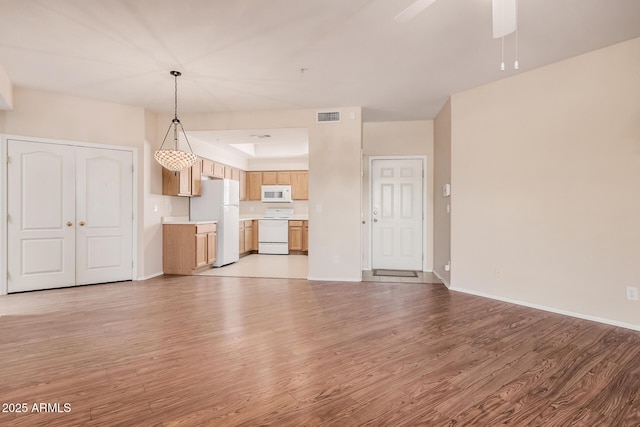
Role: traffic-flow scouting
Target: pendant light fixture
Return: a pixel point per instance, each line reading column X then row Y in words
column 175, row 159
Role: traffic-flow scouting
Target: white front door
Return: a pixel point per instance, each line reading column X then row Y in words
column 70, row 215
column 41, row 208
column 104, row 215
column 396, row 214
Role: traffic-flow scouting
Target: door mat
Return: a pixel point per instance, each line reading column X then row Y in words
column 395, row 273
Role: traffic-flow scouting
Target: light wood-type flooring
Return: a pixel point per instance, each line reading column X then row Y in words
column 182, row 351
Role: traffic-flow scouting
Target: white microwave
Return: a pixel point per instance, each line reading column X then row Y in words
column 276, row 193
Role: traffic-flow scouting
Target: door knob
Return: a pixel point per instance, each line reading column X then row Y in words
column 81, row 223
column 375, row 219
column 69, row 223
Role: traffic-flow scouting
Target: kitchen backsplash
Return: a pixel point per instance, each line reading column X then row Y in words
column 300, row 207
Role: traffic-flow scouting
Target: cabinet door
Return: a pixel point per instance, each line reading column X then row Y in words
column 283, row 178
column 211, row 247
column 255, row 185
column 305, row 236
column 300, row 185
column 248, row 239
column 195, row 174
column 218, row 170
column 243, row 185
column 207, row 167
column 254, row 234
column 235, row 174
column 241, row 238
column 269, row 178
column 184, row 182
column 295, row 235
column 201, row 250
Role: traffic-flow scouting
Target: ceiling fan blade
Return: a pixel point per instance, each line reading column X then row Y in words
column 413, row 9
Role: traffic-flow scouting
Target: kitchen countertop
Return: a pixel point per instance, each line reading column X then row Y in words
column 183, row 220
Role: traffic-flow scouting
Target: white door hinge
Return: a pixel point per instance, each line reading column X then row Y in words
column 8, row 159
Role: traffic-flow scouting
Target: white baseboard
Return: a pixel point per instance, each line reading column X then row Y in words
column 335, row 279
column 441, row 279
column 550, row 309
column 150, row 276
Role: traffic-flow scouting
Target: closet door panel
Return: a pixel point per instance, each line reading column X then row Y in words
column 41, row 223
column 104, row 211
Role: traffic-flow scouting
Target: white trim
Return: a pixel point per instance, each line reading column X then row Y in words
column 447, row 284
column 150, row 276
column 425, row 197
column 551, row 309
column 335, row 279
column 4, row 138
column 3, row 211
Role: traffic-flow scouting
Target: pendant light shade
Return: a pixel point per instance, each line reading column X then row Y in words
column 173, row 158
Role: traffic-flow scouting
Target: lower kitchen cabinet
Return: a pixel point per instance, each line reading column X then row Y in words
column 188, row 248
column 248, row 237
column 298, row 236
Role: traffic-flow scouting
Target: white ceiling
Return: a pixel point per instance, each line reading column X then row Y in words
column 247, row 54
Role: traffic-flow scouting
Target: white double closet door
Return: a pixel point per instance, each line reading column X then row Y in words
column 70, row 215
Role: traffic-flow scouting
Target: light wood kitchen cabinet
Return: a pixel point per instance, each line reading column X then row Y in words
column 235, row 174
column 269, row 177
column 242, row 177
column 254, row 188
column 207, row 167
column 305, row 236
column 218, row 170
column 300, row 185
column 295, row 235
column 246, row 237
column 283, row 178
column 228, row 172
column 183, row 183
column 188, row 248
column 255, row 235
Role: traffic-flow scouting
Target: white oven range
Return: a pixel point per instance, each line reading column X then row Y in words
column 273, row 231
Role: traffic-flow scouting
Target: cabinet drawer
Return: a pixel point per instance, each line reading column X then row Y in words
column 205, row 228
column 295, row 223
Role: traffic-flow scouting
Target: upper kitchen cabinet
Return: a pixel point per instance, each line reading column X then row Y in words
column 212, row 169
column 300, row 185
column 283, row 178
column 183, row 183
column 254, row 187
column 242, row 177
column 269, row 177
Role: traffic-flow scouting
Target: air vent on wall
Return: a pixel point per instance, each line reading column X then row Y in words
column 328, row 116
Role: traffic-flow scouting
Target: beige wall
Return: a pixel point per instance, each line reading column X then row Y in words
column 6, row 91
column 334, row 180
column 546, row 185
column 442, row 176
column 402, row 138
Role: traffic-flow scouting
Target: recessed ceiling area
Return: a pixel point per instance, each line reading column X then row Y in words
column 285, row 143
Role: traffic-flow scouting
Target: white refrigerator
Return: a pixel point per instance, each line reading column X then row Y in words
column 220, row 201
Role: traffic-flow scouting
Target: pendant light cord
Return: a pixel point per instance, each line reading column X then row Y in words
column 175, row 102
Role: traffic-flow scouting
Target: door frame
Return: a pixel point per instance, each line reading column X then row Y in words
column 425, row 229
column 4, row 138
